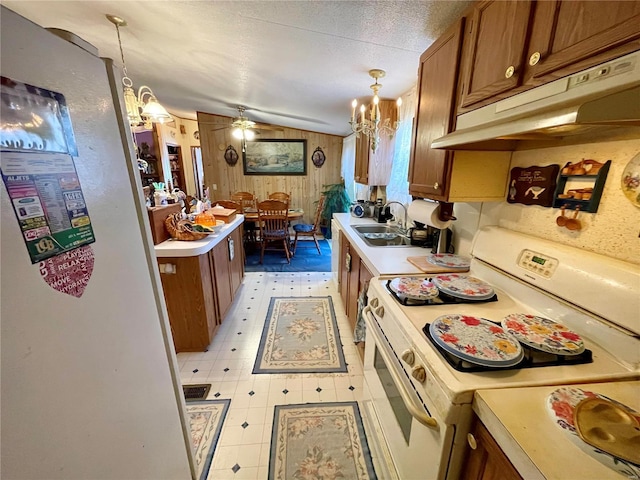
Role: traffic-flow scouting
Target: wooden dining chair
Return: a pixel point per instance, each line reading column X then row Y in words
column 273, row 223
column 282, row 196
column 306, row 230
column 248, row 202
column 246, row 199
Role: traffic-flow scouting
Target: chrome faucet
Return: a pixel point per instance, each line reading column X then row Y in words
column 403, row 226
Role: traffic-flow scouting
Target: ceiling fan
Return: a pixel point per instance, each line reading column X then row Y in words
column 243, row 127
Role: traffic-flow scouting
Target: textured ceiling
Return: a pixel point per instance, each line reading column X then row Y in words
column 291, row 63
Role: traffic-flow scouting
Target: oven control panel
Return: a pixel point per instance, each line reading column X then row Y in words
column 538, row 263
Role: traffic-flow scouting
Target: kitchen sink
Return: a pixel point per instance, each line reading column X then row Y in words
column 382, row 236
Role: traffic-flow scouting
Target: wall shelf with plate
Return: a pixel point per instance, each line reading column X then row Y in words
column 578, row 187
column 176, row 165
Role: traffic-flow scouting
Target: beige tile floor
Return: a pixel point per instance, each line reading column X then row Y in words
column 244, row 445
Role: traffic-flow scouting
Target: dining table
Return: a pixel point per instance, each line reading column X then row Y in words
column 251, row 214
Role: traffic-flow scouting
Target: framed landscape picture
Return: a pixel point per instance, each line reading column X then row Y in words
column 275, row 157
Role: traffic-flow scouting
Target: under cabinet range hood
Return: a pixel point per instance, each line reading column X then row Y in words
column 603, row 97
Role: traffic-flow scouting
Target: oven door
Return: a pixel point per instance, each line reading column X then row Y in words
column 419, row 443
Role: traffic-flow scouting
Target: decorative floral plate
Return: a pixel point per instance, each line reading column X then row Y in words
column 561, row 404
column 463, row 286
column 476, row 340
column 415, row 288
column 449, row 260
column 631, row 180
column 543, row 334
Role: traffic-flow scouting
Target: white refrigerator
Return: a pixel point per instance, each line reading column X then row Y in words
column 89, row 384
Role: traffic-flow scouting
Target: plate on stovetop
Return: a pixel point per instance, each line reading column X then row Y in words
column 476, row 340
column 449, row 260
column 562, row 404
column 415, row 288
column 543, row 334
column 463, row 286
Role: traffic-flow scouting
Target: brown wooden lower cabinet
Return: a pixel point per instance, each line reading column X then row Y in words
column 353, row 277
column 486, row 461
column 199, row 290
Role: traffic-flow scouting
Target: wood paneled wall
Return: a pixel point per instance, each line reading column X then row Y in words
column 305, row 190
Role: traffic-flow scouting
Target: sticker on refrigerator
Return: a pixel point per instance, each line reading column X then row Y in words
column 48, row 202
column 69, row 272
column 34, row 119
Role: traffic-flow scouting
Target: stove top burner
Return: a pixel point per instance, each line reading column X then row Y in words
column 532, row 358
column 441, row 299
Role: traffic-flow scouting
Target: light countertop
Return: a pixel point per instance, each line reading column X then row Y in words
column 379, row 260
column 520, row 423
column 179, row 248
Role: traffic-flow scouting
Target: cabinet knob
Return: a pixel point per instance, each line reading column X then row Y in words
column 510, row 71
column 408, row 356
column 534, row 58
column 471, row 440
column 435, row 186
column 374, row 302
column 418, row 372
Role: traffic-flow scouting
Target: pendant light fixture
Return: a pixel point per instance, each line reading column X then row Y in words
column 373, row 126
column 143, row 109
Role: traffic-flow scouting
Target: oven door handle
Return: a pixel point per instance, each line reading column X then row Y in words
column 416, row 411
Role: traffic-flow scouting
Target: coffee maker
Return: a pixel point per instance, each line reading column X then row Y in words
column 438, row 240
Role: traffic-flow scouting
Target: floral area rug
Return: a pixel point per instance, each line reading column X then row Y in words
column 206, row 419
column 319, row 441
column 300, row 336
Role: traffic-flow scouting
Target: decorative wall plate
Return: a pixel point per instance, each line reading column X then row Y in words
column 561, row 405
column 318, row 157
column 631, row 180
column 196, row 134
column 449, row 260
column 463, row 286
column 230, row 155
column 476, row 340
column 543, row 334
column 415, row 288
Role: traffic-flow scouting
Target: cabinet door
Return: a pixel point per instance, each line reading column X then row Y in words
column 354, row 281
column 222, row 274
column 568, row 32
column 487, row 461
column 188, row 293
column 343, row 268
column 236, row 265
column 497, row 35
column 361, row 170
column 438, row 75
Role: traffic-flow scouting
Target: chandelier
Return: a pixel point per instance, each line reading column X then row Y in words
column 143, row 109
column 373, row 126
column 242, row 126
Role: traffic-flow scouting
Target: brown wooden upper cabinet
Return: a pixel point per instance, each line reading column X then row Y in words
column 374, row 168
column 513, row 46
column 497, row 34
column 567, row 33
column 437, row 79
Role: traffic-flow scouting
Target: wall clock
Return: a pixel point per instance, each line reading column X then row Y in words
column 196, row 135
column 230, row 155
column 318, row 157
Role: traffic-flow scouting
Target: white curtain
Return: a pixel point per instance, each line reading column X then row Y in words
column 349, row 164
column 398, row 188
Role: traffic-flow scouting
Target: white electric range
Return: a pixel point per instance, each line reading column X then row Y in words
column 418, row 406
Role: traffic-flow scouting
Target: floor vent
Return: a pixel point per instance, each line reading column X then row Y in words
column 196, row 392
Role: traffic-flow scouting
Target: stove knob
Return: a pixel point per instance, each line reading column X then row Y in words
column 373, row 302
column 408, row 356
column 418, row 372
column 380, row 311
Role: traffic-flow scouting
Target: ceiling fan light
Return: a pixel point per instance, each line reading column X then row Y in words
column 237, row 133
column 249, row 135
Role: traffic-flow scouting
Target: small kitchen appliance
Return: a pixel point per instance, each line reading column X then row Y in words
column 381, row 213
column 362, row 209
